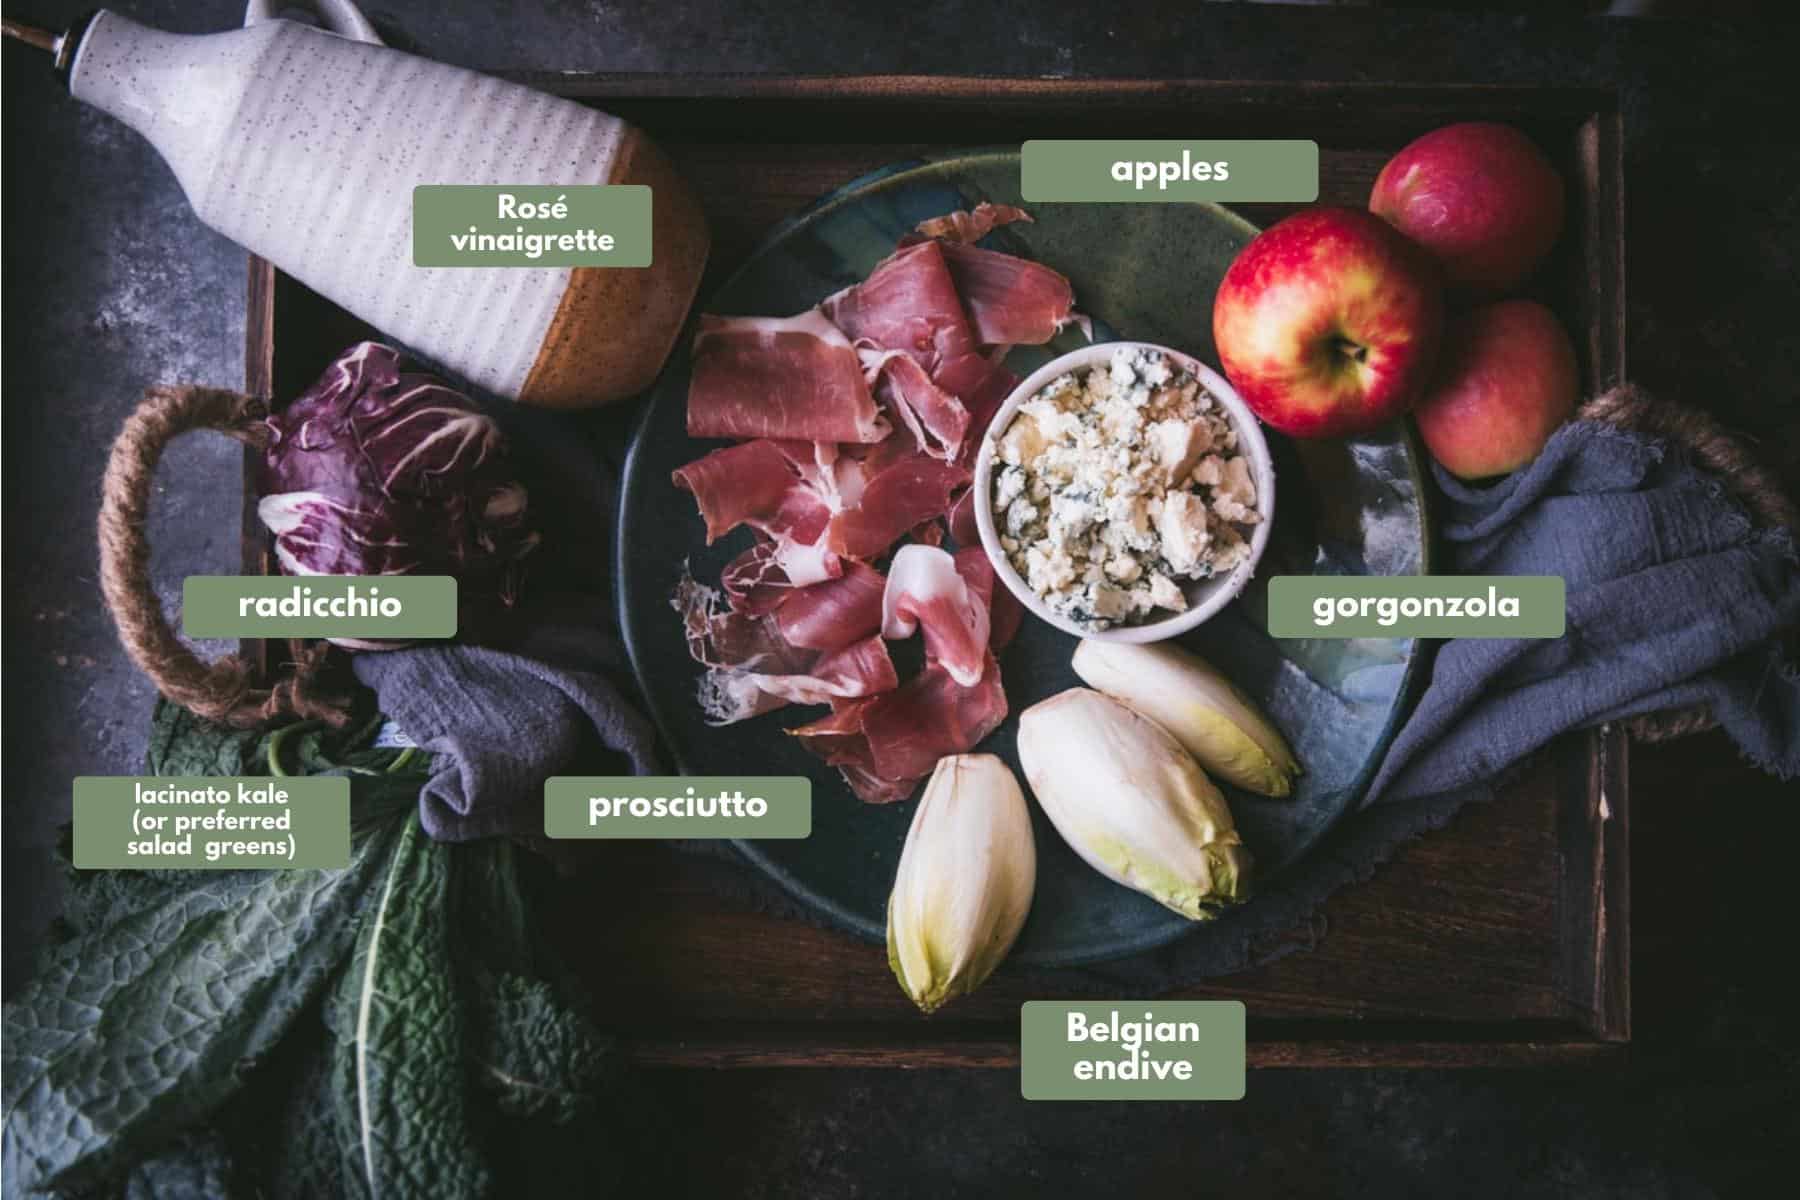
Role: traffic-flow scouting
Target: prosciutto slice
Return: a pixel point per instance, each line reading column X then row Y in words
column 811, row 512
column 910, row 303
column 755, row 583
column 1005, row 613
column 936, row 420
column 753, row 483
column 758, row 580
column 838, row 739
column 961, row 520
column 972, row 226
column 926, row 591
column 771, row 487
column 885, row 745
column 894, row 495
column 835, row 613
column 1011, row 301
column 779, row 377
column 912, row 727
column 859, row 669
column 752, row 668
column 856, row 507
column 982, row 404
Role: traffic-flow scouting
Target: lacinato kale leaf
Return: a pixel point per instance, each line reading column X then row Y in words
column 140, row 1030
column 282, row 1129
column 541, row 1057
column 495, row 911
column 194, row 1168
column 182, row 744
column 399, row 1081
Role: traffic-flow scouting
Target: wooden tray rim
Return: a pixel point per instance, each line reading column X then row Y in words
column 1605, row 879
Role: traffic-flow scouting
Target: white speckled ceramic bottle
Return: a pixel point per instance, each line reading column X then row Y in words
column 304, row 145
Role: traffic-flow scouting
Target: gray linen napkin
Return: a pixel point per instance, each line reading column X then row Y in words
column 1674, row 598
column 501, row 722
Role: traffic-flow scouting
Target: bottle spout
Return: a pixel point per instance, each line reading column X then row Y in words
column 31, row 35
column 60, row 46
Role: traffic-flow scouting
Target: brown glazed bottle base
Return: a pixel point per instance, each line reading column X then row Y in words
column 615, row 326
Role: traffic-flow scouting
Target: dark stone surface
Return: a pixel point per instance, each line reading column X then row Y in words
column 110, row 284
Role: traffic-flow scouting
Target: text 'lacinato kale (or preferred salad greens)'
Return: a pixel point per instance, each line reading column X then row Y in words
column 378, row 469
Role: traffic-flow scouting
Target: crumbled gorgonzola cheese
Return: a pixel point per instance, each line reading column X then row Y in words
column 1114, row 483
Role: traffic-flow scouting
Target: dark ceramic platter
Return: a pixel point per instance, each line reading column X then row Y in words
column 1145, row 272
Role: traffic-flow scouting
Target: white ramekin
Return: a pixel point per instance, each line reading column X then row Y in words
column 1205, row 596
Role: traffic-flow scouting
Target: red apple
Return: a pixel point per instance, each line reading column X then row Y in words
column 1481, row 197
column 1327, row 323
column 1506, row 379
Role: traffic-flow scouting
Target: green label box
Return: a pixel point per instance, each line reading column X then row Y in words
column 678, row 806
column 396, row 607
column 1168, row 171
column 1427, row 606
column 203, row 823
column 469, row 225
column 1132, row 1050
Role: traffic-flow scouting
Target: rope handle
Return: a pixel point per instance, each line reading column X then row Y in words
column 221, row 690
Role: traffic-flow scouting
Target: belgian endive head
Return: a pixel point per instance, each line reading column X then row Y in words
column 1215, row 722
column 965, row 881
column 1132, row 802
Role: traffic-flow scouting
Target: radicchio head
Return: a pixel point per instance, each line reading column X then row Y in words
column 381, row 470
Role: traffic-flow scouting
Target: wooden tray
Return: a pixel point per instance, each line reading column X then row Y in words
column 1503, row 939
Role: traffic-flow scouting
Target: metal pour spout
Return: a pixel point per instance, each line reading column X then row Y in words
column 60, row 46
